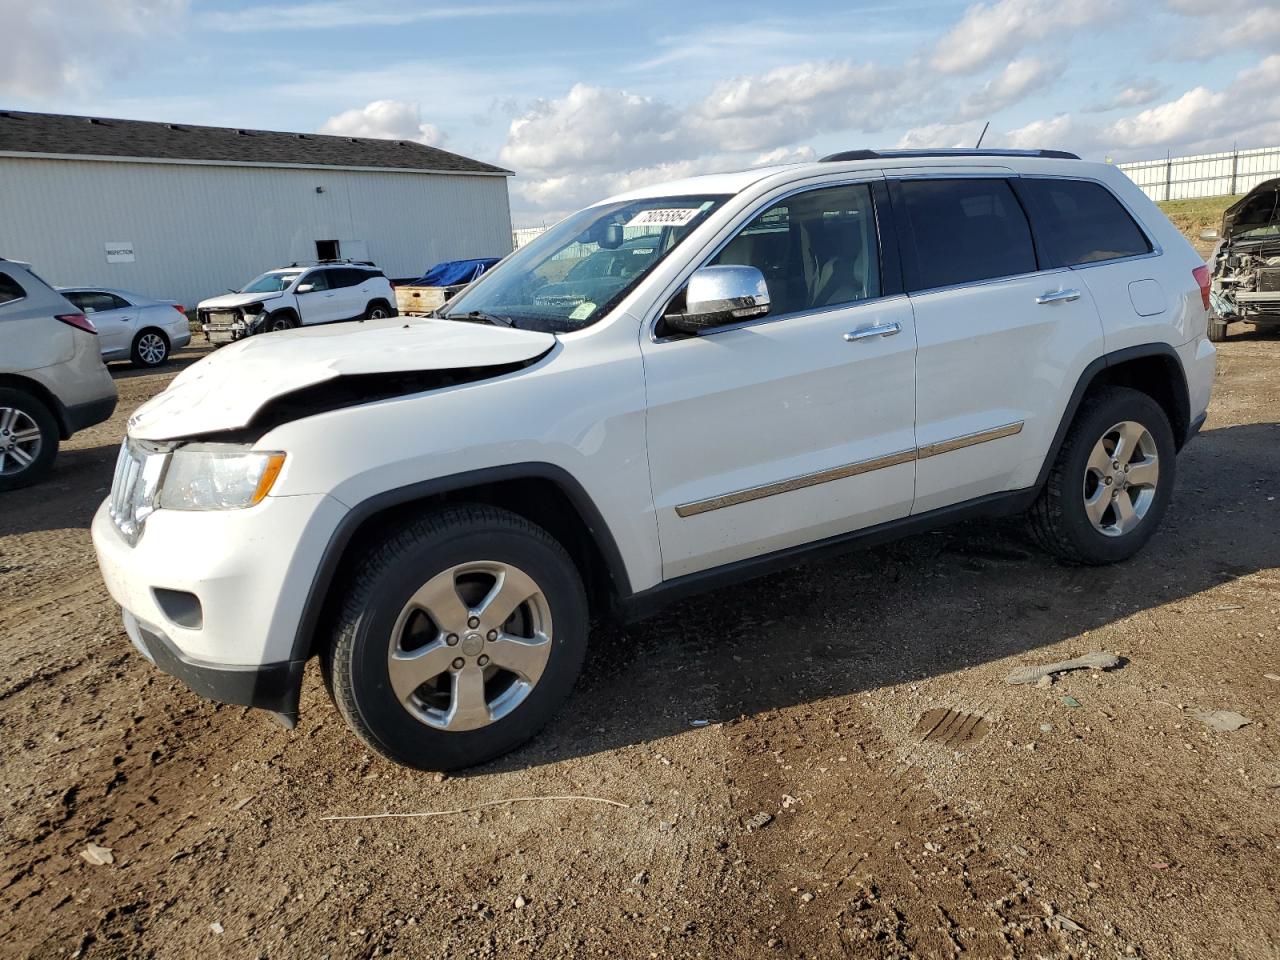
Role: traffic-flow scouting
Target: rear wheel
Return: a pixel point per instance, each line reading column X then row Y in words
column 460, row 637
column 378, row 310
column 1111, row 482
column 28, row 439
column 150, row 349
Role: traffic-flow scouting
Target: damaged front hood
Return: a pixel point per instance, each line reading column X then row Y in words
column 227, row 300
column 226, row 389
column 1260, row 207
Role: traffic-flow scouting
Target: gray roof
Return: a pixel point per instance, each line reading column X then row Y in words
column 55, row 133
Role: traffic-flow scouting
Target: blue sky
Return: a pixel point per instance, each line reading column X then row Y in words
column 582, row 99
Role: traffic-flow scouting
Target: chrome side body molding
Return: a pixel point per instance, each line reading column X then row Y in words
column 847, row 470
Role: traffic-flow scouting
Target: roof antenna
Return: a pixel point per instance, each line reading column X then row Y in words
column 982, row 134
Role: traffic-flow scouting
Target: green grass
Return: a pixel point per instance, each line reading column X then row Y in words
column 1192, row 216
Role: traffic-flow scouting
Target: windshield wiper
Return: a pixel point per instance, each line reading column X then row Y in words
column 483, row 317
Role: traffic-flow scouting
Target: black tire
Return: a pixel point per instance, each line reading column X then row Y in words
column 275, row 322
column 377, row 310
column 19, row 408
column 356, row 663
column 1217, row 329
column 145, row 344
column 1059, row 519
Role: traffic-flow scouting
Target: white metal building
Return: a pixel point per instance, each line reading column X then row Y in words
column 183, row 212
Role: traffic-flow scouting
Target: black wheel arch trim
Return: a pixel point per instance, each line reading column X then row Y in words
column 1086, row 379
column 340, row 539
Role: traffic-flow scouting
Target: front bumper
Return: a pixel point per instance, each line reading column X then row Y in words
column 242, row 579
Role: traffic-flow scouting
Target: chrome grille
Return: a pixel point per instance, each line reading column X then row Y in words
column 134, row 488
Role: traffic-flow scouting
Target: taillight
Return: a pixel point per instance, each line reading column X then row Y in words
column 79, row 321
column 1201, row 274
column 180, row 308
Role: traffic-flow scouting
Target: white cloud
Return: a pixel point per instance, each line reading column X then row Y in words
column 336, row 14
column 385, row 120
column 592, row 128
column 1012, row 84
column 785, row 155
column 990, row 32
column 941, row 135
column 1129, row 93
column 56, row 46
column 1223, row 25
column 1247, row 109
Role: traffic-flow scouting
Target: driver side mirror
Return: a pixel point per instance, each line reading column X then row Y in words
column 720, row 295
column 305, row 288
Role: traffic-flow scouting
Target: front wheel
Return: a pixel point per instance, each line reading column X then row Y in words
column 278, row 322
column 460, row 637
column 1111, row 482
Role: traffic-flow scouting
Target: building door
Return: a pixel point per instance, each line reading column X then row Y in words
column 327, row 250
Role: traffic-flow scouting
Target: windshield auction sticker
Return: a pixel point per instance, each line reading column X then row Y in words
column 669, row 217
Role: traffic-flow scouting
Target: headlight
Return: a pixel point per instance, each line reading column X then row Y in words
column 253, row 308
column 218, row 477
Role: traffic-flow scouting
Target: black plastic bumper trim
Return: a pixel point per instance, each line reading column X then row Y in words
column 81, row 415
column 271, row 686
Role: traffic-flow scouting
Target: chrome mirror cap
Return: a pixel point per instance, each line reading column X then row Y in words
column 719, row 295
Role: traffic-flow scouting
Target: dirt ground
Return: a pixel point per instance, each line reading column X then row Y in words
column 1095, row 818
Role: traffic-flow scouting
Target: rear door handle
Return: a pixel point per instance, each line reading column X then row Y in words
column 875, row 330
column 1058, row 296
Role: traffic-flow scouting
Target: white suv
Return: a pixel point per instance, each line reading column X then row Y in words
column 775, row 362
column 53, row 382
column 294, row 296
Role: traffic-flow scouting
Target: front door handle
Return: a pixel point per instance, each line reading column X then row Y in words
column 1058, row 296
column 875, row 330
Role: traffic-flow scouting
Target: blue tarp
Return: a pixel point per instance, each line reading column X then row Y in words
column 454, row 271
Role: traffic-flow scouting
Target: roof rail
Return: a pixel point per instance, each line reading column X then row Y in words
column 946, row 152
column 316, row 263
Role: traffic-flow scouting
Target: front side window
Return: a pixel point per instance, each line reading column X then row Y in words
column 272, row 282
column 9, row 289
column 319, row 280
column 962, row 231
column 816, row 249
column 1080, row 222
column 572, row 275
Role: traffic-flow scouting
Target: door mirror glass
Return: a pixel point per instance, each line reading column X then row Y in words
column 305, row 288
column 719, row 295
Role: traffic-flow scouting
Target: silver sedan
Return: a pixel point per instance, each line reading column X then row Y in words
column 131, row 326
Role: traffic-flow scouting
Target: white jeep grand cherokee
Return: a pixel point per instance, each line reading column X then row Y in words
column 677, row 387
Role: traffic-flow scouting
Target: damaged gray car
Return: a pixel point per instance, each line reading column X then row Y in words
column 1246, row 262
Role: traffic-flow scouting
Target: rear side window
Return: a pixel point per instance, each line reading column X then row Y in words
column 95, row 301
column 1080, row 222
column 347, row 277
column 9, row 289
column 961, row 231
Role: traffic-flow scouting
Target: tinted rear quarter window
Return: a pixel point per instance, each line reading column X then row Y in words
column 1080, row 222
column 962, row 231
column 10, row 290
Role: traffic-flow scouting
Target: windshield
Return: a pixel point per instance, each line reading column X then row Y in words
column 272, row 282
column 573, row 274
column 1260, row 233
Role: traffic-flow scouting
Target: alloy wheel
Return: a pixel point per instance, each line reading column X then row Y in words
column 152, row 349
column 1120, row 478
column 377, row 313
column 470, row 645
column 20, row 441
